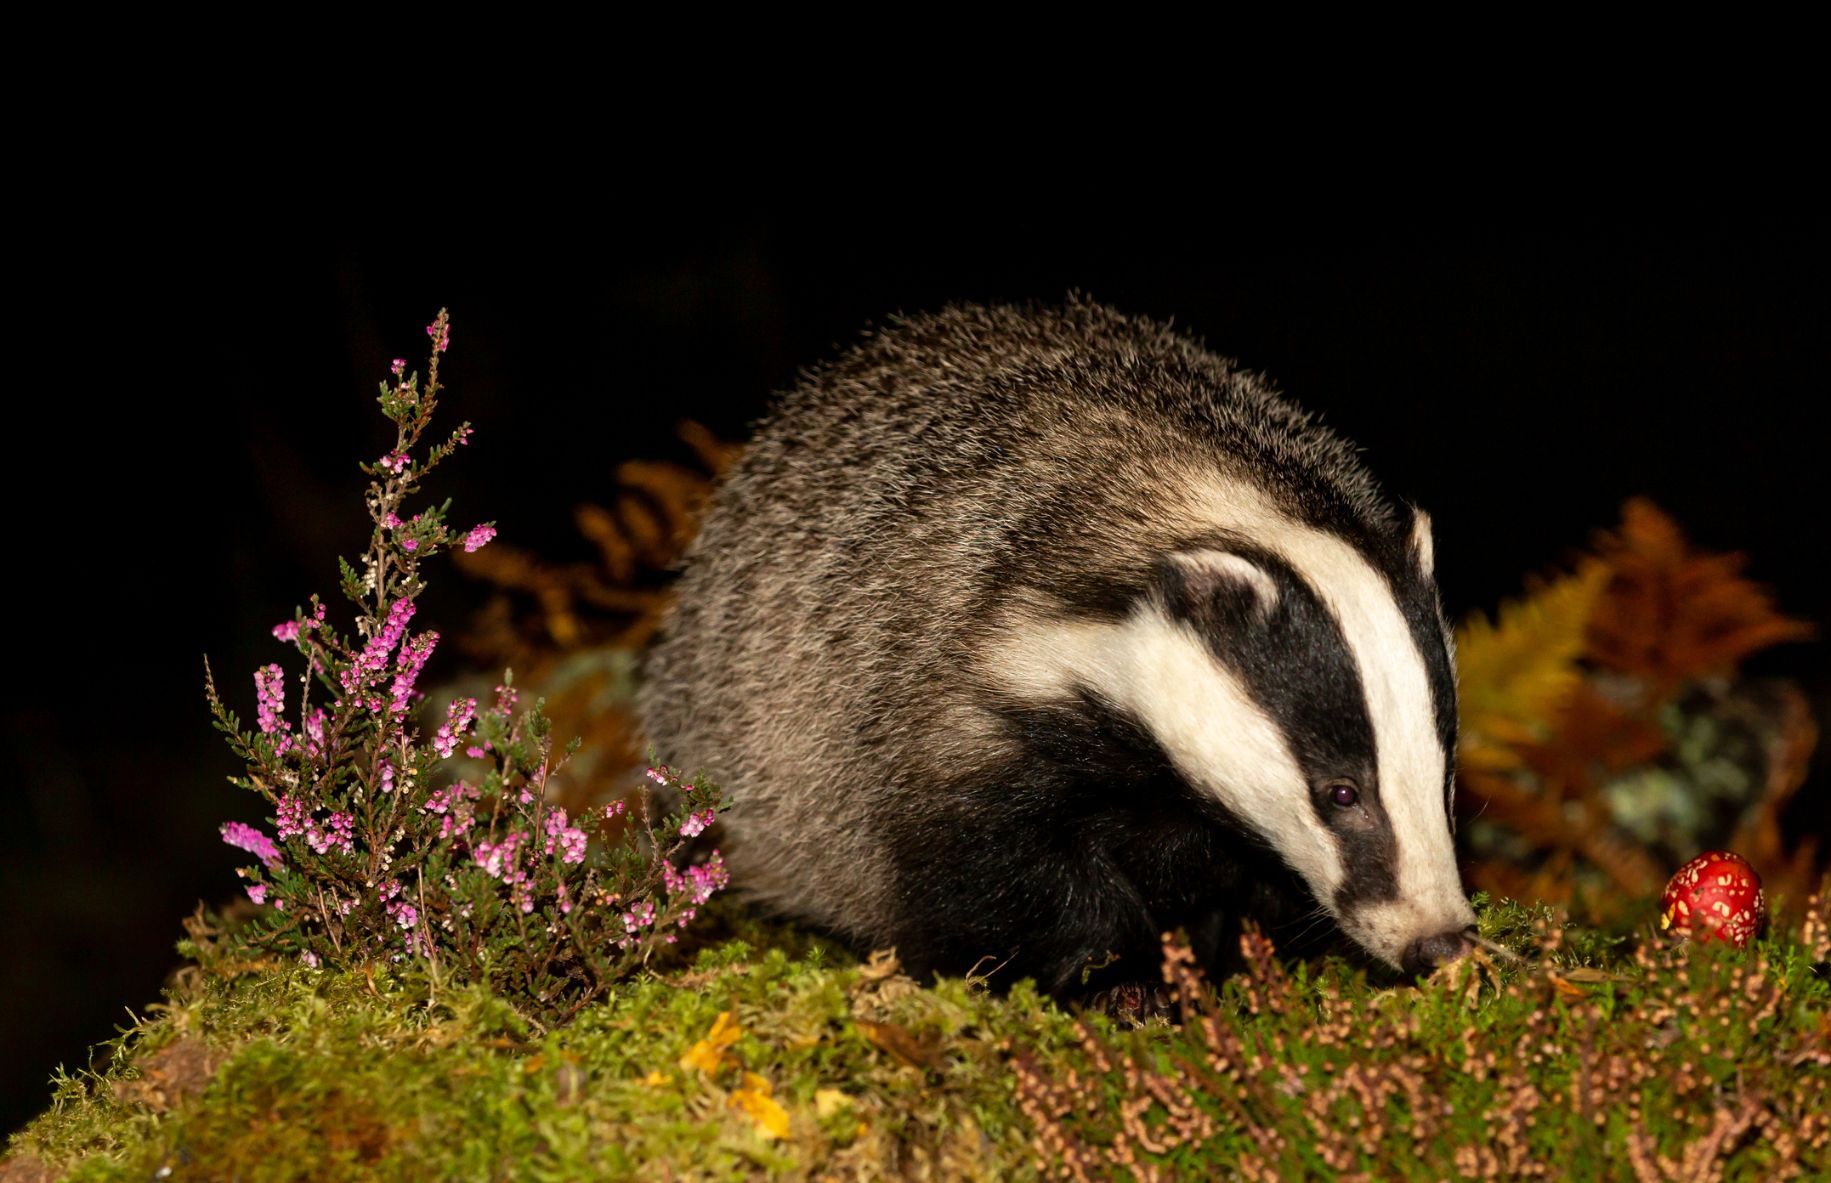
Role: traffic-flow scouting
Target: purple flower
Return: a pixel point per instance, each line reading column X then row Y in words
column 257, row 892
column 696, row 823
column 270, row 699
column 569, row 840
column 373, row 659
column 292, row 817
column 498, row 858
column 286, row 631
column 458, row 718
column 441, row 336
column 478, row 538
column 338, row 834
column 309, row 958
column 413, row 657
column 404, row 913
column 246, row 837
column 697, row 882
column 314, row 732
column 398, row 366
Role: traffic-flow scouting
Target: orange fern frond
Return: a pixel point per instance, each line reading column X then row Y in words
column 1671, row 614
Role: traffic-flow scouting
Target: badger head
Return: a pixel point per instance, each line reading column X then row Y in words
column 1307, row 690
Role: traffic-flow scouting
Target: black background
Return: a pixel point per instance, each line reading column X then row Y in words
column 184, row 473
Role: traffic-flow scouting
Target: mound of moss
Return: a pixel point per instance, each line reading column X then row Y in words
column 778, row 1056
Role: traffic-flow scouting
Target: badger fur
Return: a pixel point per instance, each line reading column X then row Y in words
column 1023, row 636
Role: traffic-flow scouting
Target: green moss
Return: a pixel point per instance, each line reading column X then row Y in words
column 380, row 1074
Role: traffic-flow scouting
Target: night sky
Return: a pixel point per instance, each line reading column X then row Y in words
column 192, row 474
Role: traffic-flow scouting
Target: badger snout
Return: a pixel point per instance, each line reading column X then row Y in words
column 1427, row 953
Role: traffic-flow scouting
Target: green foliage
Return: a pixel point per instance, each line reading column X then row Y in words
column 1592, row 1059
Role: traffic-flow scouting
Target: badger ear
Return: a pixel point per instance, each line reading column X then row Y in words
column 1423, row 549
column 1202, row 584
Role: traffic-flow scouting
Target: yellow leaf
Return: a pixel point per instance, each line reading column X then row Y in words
column 827, row 1102
column 1514, row 674
column 754, row 1102
column 708, row 1055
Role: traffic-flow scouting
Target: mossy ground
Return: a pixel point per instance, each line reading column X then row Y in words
column 840, row 1069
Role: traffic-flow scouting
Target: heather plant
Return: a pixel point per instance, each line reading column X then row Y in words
column 407, row 830
column 1669, row 1062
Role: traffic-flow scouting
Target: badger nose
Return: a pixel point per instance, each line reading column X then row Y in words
column 1427, row 953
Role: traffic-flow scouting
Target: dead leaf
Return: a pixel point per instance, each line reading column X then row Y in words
column 708, row 1055
column 917, row 1052
column 753, row 1100
column 170, row 1075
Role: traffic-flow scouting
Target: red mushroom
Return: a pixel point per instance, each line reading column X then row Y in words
column 1715, row 897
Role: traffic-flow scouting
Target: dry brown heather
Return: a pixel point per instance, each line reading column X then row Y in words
column 1676, row 1063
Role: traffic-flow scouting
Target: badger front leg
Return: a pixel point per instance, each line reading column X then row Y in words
column 1021, row 898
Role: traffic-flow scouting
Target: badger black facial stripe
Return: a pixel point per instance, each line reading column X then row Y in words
column 1287, row 651
column 1404, row 702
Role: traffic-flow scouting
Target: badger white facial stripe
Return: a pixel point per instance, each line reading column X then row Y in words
column 1411, row 761
column 1162, row 674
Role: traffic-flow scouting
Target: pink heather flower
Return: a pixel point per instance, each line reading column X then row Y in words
column 404, row 913
column 458, row 717
column 270, row 699
column 570, row 840
column 498, row 859
column 338, row 834
column 309, row 958
column 286, row 631
column 410, row 544
column 293, row 817
column 441, row 336
column 396, row 463
column 257, row 892
column 615, row 809
column 660, row 775
column 696, row 823
column 565, row 904
column 697, row 882
column 373, row 659
column 506, row 698
column 314, row 732
column 478, row 538
column 398, row 366
column 246, row 837
column 477, row 753
column 463, row 434
column 639, row 916
column 386, row 784
column 413, row 657
column 389, row 890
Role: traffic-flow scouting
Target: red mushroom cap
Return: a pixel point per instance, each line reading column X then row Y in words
column 1715, row 897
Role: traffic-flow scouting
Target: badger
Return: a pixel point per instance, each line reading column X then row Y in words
column 1020, row 636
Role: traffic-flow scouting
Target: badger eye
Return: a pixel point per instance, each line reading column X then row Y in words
column 1344, row 794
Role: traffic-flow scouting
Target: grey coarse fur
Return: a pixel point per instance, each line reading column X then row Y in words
column 821, row 661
